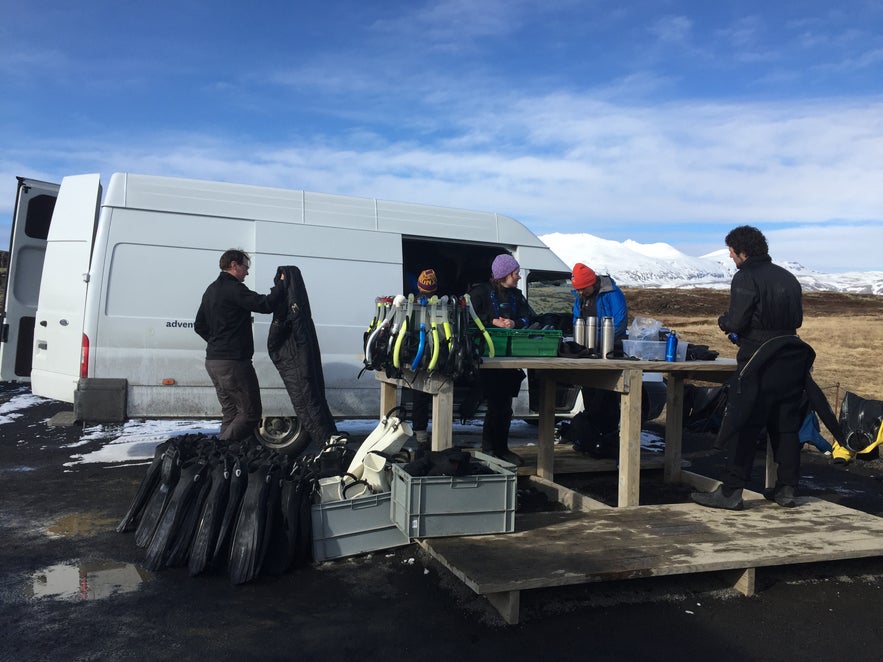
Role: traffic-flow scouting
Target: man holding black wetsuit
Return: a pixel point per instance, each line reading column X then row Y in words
column 765, row 311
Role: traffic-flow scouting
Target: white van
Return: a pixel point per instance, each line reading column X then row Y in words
column 109, row 308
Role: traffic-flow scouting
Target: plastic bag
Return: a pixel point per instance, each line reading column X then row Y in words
column 644, row 328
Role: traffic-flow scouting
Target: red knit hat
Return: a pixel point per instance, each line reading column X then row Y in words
column 582, row 277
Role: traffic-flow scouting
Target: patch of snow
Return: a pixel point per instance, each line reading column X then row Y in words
column 9, row 410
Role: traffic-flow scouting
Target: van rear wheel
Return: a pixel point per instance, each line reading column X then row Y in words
column 284, row 434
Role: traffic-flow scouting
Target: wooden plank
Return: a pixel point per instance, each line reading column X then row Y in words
column 507, row 603
column 556, row 549
column 442, row 417
column 746, row 581
column 718, row 367
column 545, row 458
column 698, row 481
column 569, row 461
column 570, row 499
column 630, row 440
column 388, row 393
column 674, row 415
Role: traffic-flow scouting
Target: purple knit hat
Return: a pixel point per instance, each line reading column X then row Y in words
column 504, row 265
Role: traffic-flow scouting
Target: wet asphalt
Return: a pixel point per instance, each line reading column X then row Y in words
column 72, row 588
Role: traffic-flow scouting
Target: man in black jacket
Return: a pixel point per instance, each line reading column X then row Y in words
column 224, row 322
column 766, row 309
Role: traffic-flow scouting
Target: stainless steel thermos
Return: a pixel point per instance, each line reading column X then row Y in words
column 579, row 331
column 606, row 337
column 591, row 332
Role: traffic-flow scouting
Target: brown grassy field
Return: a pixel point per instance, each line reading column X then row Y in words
column 846, row 331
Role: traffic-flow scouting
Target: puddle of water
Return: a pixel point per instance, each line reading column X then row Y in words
column 94, row 580
column 81, row 524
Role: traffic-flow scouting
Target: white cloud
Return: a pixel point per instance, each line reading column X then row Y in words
column 556, row 144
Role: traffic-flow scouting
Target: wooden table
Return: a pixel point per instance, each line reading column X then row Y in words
column 624, row 377
column 619, row 375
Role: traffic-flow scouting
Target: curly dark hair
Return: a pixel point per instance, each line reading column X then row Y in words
column 231, row 256
column 747, row 239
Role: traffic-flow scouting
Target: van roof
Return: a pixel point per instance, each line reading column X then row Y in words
column 206, row 198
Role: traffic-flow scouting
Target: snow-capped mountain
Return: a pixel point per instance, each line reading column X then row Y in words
column 660, row 265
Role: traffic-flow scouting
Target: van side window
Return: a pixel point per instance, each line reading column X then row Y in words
column 39, row 215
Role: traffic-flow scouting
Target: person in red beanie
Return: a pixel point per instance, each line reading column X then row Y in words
column 598, row 296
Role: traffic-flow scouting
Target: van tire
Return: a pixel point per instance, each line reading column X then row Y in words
column 283, row 434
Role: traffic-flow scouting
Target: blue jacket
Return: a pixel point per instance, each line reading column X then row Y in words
column 609, row 302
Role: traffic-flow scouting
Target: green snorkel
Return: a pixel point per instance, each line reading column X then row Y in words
column 480, row 325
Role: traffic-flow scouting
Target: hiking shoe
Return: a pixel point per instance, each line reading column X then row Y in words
column 784, row 496
column 717, row 499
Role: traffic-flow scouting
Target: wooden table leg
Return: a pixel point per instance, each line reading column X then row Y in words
column 388, row 394
column 443, row 418
column 546, row 449
column 630, row 439
column 674, row 427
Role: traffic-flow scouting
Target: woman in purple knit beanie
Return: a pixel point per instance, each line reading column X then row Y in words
column 499, row 303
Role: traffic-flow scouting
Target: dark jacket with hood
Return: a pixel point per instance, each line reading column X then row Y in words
column 224, row 317
column 766, row 301
column 509, row 303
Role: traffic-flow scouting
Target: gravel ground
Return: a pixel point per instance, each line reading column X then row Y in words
column 72, row 588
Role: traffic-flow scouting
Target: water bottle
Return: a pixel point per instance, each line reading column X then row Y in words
column 671, row 347
column 579, row 331
column 606, row 336
column 591, row 332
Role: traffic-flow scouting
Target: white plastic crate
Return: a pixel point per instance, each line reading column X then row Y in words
column 436, row 506
column 354, row 526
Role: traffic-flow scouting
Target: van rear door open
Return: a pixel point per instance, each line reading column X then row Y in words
column 34, row 202
column 58, row 336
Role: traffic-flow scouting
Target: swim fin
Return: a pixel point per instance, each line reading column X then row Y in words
column 206, row 537
column 299, row 513
column 169, row 472
column 277, row 535
column 182, row 538
column 238, row 484
column 142, row 496
column 174, row 514
column 245, row 546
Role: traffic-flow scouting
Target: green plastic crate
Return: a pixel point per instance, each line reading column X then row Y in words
column 531, row 342
column 499, row 336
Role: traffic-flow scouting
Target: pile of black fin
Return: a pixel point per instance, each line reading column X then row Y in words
column 217, row 506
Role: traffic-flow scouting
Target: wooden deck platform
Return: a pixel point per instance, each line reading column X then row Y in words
column 569, row 461
column 599, row 544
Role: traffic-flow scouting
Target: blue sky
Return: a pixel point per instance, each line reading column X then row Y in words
column 652, row 120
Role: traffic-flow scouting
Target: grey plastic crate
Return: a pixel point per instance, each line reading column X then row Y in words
column 435, row 506
column 354, row 526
